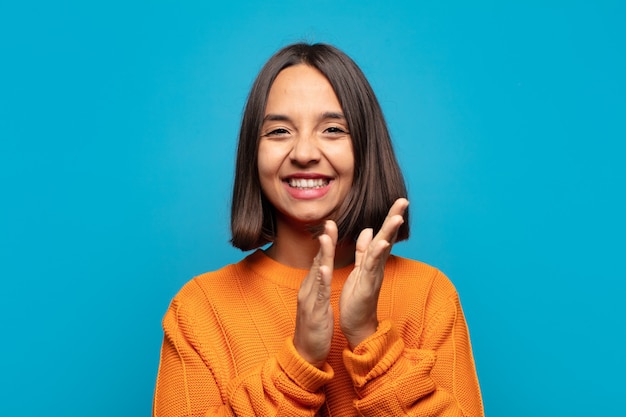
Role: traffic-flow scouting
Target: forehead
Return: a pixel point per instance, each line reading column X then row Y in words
column 299, row 87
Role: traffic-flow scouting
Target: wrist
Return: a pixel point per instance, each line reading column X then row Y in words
column 355, row 338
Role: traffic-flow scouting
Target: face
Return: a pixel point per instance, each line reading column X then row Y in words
column 306, row 161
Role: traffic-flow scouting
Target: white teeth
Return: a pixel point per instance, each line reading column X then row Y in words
column 307, row 183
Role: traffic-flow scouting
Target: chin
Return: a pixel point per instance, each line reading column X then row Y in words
column 310, row 218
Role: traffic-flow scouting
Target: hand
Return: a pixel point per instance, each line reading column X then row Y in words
column 314, row 316
column 359, row 297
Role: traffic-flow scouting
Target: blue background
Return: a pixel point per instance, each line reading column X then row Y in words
column 118, row 123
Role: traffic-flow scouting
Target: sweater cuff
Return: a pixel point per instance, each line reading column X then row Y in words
column 375, row 355
column 301, row 372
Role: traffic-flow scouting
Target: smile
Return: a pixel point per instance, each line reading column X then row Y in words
column 304, row 184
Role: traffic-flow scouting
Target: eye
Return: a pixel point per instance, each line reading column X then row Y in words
column 335, row 130
column 277, row 132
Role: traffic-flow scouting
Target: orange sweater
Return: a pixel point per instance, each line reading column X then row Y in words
column 228, row 351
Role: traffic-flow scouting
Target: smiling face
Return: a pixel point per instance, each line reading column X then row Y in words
column 305, row 156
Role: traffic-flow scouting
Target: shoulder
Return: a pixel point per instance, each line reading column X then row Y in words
column 217, row 287
column 192, row 311
column 417, row 272
column 205, row 286
column 413, row 265
column 421, row 298
column 419, row 280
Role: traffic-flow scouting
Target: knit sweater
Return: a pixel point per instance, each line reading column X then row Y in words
column 228, row 348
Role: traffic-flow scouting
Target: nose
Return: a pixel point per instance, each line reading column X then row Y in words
column 305, row 150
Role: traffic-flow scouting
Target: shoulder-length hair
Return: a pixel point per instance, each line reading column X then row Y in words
column 377, row 182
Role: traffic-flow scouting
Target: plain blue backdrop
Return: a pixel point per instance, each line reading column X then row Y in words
column 118, row 123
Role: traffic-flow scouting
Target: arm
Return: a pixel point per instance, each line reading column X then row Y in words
column 435, row 377
column 192, row 380
column 432, row 376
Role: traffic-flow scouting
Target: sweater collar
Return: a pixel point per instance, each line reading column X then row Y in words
column 286, row 276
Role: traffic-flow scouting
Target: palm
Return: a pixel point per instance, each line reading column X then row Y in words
column 359, row 296
column 314, row 316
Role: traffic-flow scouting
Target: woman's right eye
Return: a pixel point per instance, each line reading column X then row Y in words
column 277, row 132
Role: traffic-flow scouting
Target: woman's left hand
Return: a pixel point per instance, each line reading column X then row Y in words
column 359, row 296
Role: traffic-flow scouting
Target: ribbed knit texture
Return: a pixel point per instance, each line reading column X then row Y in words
column 228, row 350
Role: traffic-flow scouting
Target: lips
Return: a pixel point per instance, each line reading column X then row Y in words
column 303, row 183
column 307, row 186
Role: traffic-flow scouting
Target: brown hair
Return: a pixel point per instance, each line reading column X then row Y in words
column 377, row 182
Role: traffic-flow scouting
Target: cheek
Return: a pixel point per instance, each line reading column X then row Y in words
column 264, row 175
column 267, row 168
column 263, row 159
column 349, row 163
column 271, row 156
column 343, row 161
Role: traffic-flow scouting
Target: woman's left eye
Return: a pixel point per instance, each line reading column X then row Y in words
column 334, row 129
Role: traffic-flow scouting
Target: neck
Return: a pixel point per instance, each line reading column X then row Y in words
column 297, row 248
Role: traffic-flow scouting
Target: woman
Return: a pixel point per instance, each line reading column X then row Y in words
column 324, row 321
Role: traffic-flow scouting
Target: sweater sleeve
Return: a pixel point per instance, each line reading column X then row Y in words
column 190, row 381
column 437, row 377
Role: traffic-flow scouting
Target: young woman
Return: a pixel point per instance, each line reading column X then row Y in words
column 324, row 321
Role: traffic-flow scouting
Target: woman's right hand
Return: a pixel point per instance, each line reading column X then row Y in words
column 314, row 316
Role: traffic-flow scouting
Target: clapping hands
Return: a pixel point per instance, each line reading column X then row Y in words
column 359, row 296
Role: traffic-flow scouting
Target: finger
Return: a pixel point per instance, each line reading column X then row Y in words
column 325, row 256
column 393, row 221
column 362, row 243
column 389, row 230
column 328, row 242
column 309, row 280
column 330, row 229
column 314, row 299
column 399, row 206
column 380, row 246
column 377, row 254
column 322, row 290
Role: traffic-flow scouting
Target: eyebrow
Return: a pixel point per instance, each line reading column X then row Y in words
column 276, row 118
column 333, row 115
column 283, row 118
